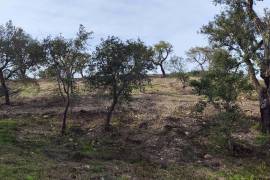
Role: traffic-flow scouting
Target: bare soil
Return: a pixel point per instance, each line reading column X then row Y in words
column 158, row 135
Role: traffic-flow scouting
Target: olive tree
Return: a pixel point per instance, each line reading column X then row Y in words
column 120, row 67
column 28, row 54
column 162, row 51
column 19, row 53
column 177, row 64
column 223, row 82
column 64, row 58
column 199, row 56
column 239, row 29
column 221, row 85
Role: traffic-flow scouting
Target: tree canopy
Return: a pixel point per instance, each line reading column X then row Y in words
column 162, row 51
column 121, row 67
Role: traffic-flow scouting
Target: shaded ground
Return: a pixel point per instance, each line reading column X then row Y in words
column 156, row 136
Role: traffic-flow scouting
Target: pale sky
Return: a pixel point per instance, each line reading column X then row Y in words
column 176, row 21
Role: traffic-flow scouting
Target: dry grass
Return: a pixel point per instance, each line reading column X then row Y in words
column 155, row 136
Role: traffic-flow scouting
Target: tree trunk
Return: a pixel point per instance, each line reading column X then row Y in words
column 262, row 28
column 201, row 66
column 183, row 84
column 64, row 121
column 109, row 114
column 252, row 75
column 265, row 111
column 162, row 70
column 22, row 74
column 5, row 88
column 82, row 75
column 264, row 94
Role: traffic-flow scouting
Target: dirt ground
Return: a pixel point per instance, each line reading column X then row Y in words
column 158, row 135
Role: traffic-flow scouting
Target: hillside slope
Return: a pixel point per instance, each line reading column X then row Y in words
column 158, row 135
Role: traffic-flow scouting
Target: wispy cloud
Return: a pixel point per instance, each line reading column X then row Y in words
column 152, row 20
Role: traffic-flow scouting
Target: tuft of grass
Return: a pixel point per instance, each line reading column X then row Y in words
column 88, row 148
column 29, row 90
column 7, row 132
column 249, row 170
column 262, row 139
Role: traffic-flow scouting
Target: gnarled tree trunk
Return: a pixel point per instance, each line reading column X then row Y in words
column 64, row 121
column 264, row 31
column 5, row 88
column 265, row 92
column 265, row 111
column 109, row 114
column 162, row 70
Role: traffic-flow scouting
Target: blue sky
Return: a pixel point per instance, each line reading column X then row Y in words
column 176, row 21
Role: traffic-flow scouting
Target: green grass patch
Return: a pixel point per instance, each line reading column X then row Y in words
column 249, row 170
column 262, row 139
column 7, row 132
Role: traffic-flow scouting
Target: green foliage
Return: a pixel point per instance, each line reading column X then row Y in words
column 177, row 68
column 231, row 28
column 199, row 56
column 234, row 30
column 262, row 139
column 176, row 64
column 28, row 54
column 250, row 171
column 220, row 133
column 162, row 51
column 194, row 73
column 48, row 73
column 199, row 107
column 19, row 52
column 121, row 66
column 222, row 83
column 66, row 57
column 198, row 86
column 183, row 77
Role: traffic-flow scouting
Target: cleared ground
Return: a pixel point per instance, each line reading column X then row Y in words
column 158, row 135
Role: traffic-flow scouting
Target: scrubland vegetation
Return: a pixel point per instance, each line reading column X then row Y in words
column 70, row 113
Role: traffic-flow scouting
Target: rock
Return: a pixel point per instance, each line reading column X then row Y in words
column 207, row 156
column 46, row 116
